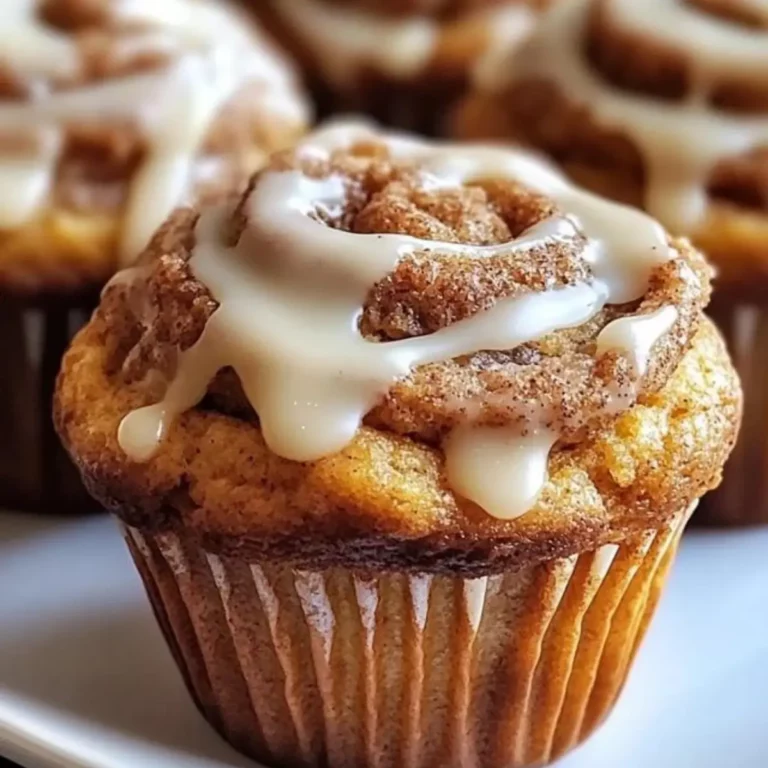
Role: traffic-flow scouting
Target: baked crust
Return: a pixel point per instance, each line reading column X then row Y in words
column 384, row 502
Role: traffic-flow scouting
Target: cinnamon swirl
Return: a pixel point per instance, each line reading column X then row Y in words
column 663, row 104
column 404, row 408
column 111, row 114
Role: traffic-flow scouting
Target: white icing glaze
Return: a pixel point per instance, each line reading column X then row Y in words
column 344, row 40
column 636, row 335
column 681, row 142
column 215, row 55
column 498, row 468
column 313, row 385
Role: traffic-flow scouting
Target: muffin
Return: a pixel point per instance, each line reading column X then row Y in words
column 663, row 105
column 402, row 445
column 111, row 115
column 403, row 61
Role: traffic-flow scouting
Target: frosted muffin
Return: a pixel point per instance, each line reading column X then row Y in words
column 111, row 115
column 664, row 104
column 402, row 445
column 403, row 61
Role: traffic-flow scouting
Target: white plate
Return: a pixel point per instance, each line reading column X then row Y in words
column 85, row 679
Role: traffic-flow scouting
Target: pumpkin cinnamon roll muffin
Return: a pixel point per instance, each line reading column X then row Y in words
column 403, row 61
column 111, row 114
column 664, row 104
column 402, row 445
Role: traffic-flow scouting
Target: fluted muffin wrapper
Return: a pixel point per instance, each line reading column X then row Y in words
column 742, row 497
column 35, row 472
column 305, row 668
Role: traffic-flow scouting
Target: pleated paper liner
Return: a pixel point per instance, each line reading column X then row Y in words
column 742, row 498
column 35, row 472
column 311, row 668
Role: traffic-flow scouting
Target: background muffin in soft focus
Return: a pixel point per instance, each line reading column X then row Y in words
column 111, row 115
column 403, row 61
column 664, row 105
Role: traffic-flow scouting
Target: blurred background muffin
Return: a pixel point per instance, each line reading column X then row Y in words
column 111, row 114
column 402, row 445
column 402, row 61
column 663, row 104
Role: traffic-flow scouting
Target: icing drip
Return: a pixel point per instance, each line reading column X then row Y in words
column 345, row 40
column 173, row 106
column 678, row 166
column 499, row 469
column 313, row 385
column 635, row 336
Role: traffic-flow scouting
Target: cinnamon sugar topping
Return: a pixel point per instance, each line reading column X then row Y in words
column 292, row 285
column 200, row 53
column 682, row 141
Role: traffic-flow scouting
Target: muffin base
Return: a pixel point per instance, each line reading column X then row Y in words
column 35, row 472
column 742, row 498
column 305, row 668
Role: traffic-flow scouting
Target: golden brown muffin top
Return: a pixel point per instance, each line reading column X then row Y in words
column 474, row 242
column 668, row 97
column 109, row 108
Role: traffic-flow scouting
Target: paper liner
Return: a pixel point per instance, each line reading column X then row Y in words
column 742, row 498
column 35, row 472
column 305, row 668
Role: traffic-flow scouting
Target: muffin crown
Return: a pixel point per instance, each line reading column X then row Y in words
column 386, row 340
column 463, row 296
column 686, row 83
column 123, row 89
